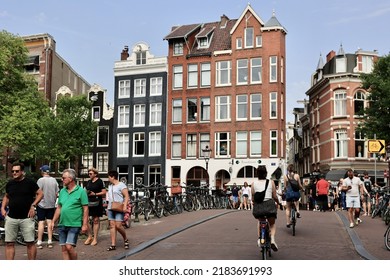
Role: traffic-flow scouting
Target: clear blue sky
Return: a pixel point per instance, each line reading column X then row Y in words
column 91, row 34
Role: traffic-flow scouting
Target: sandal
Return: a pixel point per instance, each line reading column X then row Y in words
column 127, row 245
column 111, row 248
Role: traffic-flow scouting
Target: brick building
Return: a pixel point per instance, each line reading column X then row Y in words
column 226, row 100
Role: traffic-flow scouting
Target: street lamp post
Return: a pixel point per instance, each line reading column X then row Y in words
column 206, row 155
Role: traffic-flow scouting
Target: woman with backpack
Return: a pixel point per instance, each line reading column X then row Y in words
column 292, row 183
column 264, row 199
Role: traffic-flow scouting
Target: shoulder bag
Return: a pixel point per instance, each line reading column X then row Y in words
column 116, row 205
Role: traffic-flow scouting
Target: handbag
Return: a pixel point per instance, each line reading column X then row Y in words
column 264, row 209
column 259, row 196
column 116, row 205
column 294, row 185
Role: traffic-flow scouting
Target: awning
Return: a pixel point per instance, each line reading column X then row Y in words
column 335, row 175
column 240, row 181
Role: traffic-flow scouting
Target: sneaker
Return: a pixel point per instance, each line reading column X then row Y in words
column 39, row 246
column 351, row 225
column 274, row 246
column 359, row 220
column 258, row 242
column 298, row 215
column 49, row 245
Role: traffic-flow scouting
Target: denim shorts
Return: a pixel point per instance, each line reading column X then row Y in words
column 68, row 235
column 115, row 216
column 26, row 226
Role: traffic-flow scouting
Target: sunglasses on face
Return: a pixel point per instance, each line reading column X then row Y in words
column 15, row 171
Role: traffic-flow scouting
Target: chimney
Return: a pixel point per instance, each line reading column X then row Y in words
column 125, row 53
column 330, row 55
column 224, row 20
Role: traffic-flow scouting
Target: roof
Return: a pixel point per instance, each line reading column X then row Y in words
column 273, row 23
column 182, row 31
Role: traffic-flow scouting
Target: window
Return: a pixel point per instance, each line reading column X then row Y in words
column 177, row 76
column 256, row 106
column 124, row 89
column 191, row 145
column 176, row 111
column 273, row 102
column 239, row 43
column 223, row 73
column 222, row 104
column 139, row 115
column 87, row 161
column 256, row 70
column 241, row 145
column 141, row 57
column 341, row 64
column 178, row 48
column 123, row 145
column 140, row 87
column 138, row 174
column 155, row 143
column 123, row 115
column 176, row 146
column 242, row 107
column 102, row 162
column 340, row 103
column 259, row 41
column 367, row 64
column 191, row 110
column 359, row 145
column 222, row 144
column 203, row 42
column 242, row 71
column 255, row 143
column 155, row 114
column 273, row 66
column 204, row 142
column 102, row 136
column 156, row 86
column 273, row 143
column 96, row 113
column 249, row 37
column 205, row 109
column 359, row 103
column 155, row 174
column 138, row 144
column 341, row 145
column 192, row 75
column 205, row 76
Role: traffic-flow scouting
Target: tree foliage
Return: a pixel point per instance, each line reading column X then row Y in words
column 377, row 114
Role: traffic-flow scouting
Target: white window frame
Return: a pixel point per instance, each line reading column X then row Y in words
column 241, row 144
column 177, row 78
column 253, row 107
column 102, row 163
column 123, row 116
column 340, row 103
column 218, row 144
column 139, row 115
column 156, row 86
column 204, row 141
column 140, row 87
column 176, row 146
column 256, row 70
column 242, row 107
column 273, row 142
column 223, row 73
column 255, row 143
column 205, row 74
column 178, row 48
column 205, row 109
column 177, row 111
column 238, row 43
column 155, row 114
column 124, row 89
column 138, row 137
column 242, row 71
column 87, row 161
column 273, row 105
column 192, row 75
column 259, row 41
column 122, row 145
column 340, row 144
column 249, row 37
column 155, row 143
column 222, row 106
column 273, row 69
column 98, row 136
column 191, row 143
column 96, row 113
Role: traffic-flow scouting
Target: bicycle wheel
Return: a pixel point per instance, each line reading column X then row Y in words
column 293, row 220
column 147, row 211
column 386, row 216
column 159, row 208
column 264, row 253
column 375, row 213
column 387, row 238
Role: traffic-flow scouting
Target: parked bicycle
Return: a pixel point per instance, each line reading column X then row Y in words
column 387, row 238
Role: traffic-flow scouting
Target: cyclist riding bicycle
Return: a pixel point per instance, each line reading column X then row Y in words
column 264, row 201
column 292, row 183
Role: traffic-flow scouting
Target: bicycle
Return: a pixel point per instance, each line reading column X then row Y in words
column 387, row 238
column 265, row 238
column 293, row 215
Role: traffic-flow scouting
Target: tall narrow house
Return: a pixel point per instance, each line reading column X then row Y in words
column 226, row 100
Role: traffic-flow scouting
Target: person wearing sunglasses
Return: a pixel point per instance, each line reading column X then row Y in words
column 21, row 196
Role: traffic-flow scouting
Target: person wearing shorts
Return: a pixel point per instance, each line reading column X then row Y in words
column 71, row 213
column 47, row 206
column 21, row 196
column 354, row 189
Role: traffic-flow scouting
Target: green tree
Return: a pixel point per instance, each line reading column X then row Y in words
column 70, row 131
column 377, row 114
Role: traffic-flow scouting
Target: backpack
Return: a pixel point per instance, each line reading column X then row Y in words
column 259, row 196
column 367, row 185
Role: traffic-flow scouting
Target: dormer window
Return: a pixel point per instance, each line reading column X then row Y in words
column 204, row 37
column 178, row 48
column 341, row 64
column 141, row 57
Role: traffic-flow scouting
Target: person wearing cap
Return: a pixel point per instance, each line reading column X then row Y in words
column 46, row 207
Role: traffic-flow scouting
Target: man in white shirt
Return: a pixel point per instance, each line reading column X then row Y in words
column 354, row 189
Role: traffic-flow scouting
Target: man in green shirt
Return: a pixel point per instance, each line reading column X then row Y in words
column 72, row 213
